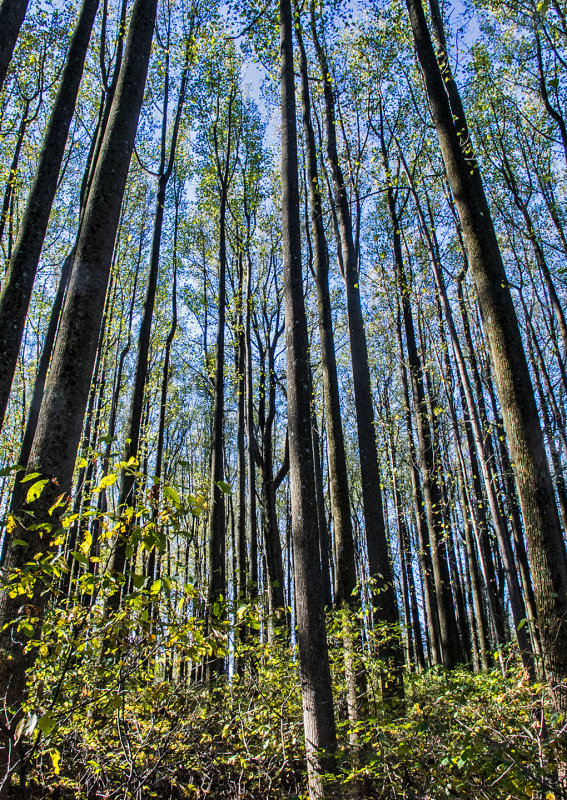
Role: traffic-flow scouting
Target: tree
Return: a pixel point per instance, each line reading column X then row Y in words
column 318, row 716
column 378, row 551
column 12, row 13
column 60, row 420
column 164, row 173
column 533, row 479
column 18, row 285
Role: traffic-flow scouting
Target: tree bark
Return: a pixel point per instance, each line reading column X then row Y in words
column 451, row 650
column 318, row 713
column 543, row 532
column 429, row 592
column 380, row 566
column 340, row 504
column 216, row 594
column 12, row 13
column 60, row 421
column 18, row 284
column 127, row 491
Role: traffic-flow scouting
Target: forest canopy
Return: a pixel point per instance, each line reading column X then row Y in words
column 283, row 399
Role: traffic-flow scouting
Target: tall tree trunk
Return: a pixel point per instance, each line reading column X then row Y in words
column 154, row 559
column 217, row 521
column 551, row 442
column 251, row 445
column 318, row 713
column 543, row 532
column 12, row 13
column 134, row 426
column 522, row 206
column 240, row 369
column 102, row 504
column 37, row 395
column 469, row 521
column 324, row 532
column 340, row 504
column 13, row 171
column 18, row 284
column 270, row 483
column 429, row 592
column 414, row 647
column 60, row 421
column 378, row 551
column 345, row 572
column 516, row 599
column 451, row 651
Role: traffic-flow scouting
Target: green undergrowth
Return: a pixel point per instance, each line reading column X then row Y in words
column 143, row 733
column 116, row 707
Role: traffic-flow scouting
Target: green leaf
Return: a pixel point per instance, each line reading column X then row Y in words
column 138, row 581
column 46, row 724
column 32, row 476
column 225, row 487
column 26, row 629
column 59, row 502
column 9, row 470
column 155, row 587
column 554, row 83
column 115, row 702
column 55, row 760
column 172, row 495
column 35, row 490
column 197, row 504
column 80, row 557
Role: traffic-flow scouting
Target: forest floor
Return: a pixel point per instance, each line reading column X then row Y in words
column 457, row 735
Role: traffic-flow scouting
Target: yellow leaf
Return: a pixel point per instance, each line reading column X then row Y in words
column 35, row 490
column 55, row 760
column 108, row 480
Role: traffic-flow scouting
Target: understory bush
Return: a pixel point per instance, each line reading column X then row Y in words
column 132, row 730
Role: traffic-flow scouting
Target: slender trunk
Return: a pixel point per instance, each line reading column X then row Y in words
column 480, row 619
column 38, row 388
column 270, row 526
column 451, row 651
column 411, row 651
column 318, row 713
column 240, row 368
column 134, row 426
column 551, row 443
column 20, row 276
column 380, row 566
column 324, row 532
column 251, row 445
column 154, row 559
column 447, row 502
column 59, row 425
column 522, row 206
column 12, row 13
column 429, row 592
column 217, row 522
column 555, row 115
column 543, row 532
column 102, row 504
column 340, row 504
column 13, row 171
